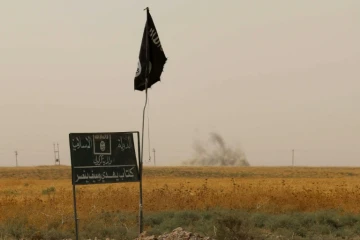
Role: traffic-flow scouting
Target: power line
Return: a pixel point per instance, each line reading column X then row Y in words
column 154, row 157
column 57, row 154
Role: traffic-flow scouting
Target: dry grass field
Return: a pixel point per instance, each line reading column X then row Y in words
column 42, row 196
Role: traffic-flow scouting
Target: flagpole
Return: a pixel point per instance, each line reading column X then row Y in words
column 143, row 120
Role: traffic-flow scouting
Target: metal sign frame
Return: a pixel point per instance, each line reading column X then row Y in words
column 97, row 158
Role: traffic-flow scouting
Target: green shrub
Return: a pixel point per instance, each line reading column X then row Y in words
column 230, row 227
column 48, row 190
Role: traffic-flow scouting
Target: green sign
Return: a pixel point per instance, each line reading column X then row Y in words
column 103, row 157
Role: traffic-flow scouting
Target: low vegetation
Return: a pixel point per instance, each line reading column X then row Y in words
column 253, row 202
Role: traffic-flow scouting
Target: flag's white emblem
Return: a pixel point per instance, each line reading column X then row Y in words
column 138, row 70
column 102, row 146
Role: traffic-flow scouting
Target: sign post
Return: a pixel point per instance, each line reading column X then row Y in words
column 99, row 158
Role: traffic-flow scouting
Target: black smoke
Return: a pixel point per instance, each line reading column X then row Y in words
column 217, row 154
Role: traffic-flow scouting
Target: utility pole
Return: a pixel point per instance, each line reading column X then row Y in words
column 293, row 157
column 154, row 157
column 57, row 154
column 16, row 154
column 58, row 151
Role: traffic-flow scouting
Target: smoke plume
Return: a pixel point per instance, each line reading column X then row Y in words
column 219, row 154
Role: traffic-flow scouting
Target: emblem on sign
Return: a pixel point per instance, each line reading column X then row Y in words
column 102, row 146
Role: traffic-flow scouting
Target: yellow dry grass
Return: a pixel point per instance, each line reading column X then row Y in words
column 26, row 192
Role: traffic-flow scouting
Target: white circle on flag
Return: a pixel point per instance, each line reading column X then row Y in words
column 138, row 70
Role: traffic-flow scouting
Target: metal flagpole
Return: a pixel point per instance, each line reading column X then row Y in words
column 141, row 165
column 143, row 121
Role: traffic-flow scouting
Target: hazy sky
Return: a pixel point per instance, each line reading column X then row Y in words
column 269, row 76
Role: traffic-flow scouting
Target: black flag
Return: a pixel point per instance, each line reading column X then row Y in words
column 151, row 57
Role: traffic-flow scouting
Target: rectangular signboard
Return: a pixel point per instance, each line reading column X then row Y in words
column 103, row 157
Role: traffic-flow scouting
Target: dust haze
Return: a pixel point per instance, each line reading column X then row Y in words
column 276, row 77
column 216, row 153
